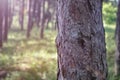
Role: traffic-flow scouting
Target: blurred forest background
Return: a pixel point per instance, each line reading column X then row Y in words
column 27, row 39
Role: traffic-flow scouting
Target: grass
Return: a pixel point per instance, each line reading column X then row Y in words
column 29, row 59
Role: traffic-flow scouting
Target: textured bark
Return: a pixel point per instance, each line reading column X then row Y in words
column 117, row 35
column 81, row 41
column 1, row 22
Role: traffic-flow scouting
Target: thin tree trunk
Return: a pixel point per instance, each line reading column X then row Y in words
column 34, row 8
column 48, row 15
column 6, row 21
column 1, row 23
column 39, row 13
column 117, row 35
column 43, row 20
column 21, row 18
column 81, row 41
column 30, row 22
column 11, row 12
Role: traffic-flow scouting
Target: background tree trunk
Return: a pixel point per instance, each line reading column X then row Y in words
column 6, row 21
column 21, row 17
column 11, row 12
column 30, row 21
column 117, row 35
column 39, row 12
column 81, row 41
column 1, row 22
column 43, row 20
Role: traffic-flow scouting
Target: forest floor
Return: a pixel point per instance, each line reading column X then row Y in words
column 29, row 59
column 36, row 59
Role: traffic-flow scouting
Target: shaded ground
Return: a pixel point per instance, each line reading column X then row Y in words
column 29, row 59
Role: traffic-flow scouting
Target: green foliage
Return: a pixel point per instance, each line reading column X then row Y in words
column 109, row 18
column 109, row 13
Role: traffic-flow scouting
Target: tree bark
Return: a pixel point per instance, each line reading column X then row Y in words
column 81, row 41
column 1, row 23
column 30, row 21
column 11, row 12
column 39, row 12
column 43, row 20
column 117, row 36
column 21, row 17
column 6, row 21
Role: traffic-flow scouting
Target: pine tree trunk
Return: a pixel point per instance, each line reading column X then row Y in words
column 117, row 35
column 21, row 18
column 6, row 21
column 81, row 41
column 30, row 22
column 1, row 22
column 10, row 13
column 39, row 13
column 43, row 20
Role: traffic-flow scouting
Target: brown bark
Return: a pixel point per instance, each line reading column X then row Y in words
column 81, row 41
column 117, row 35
